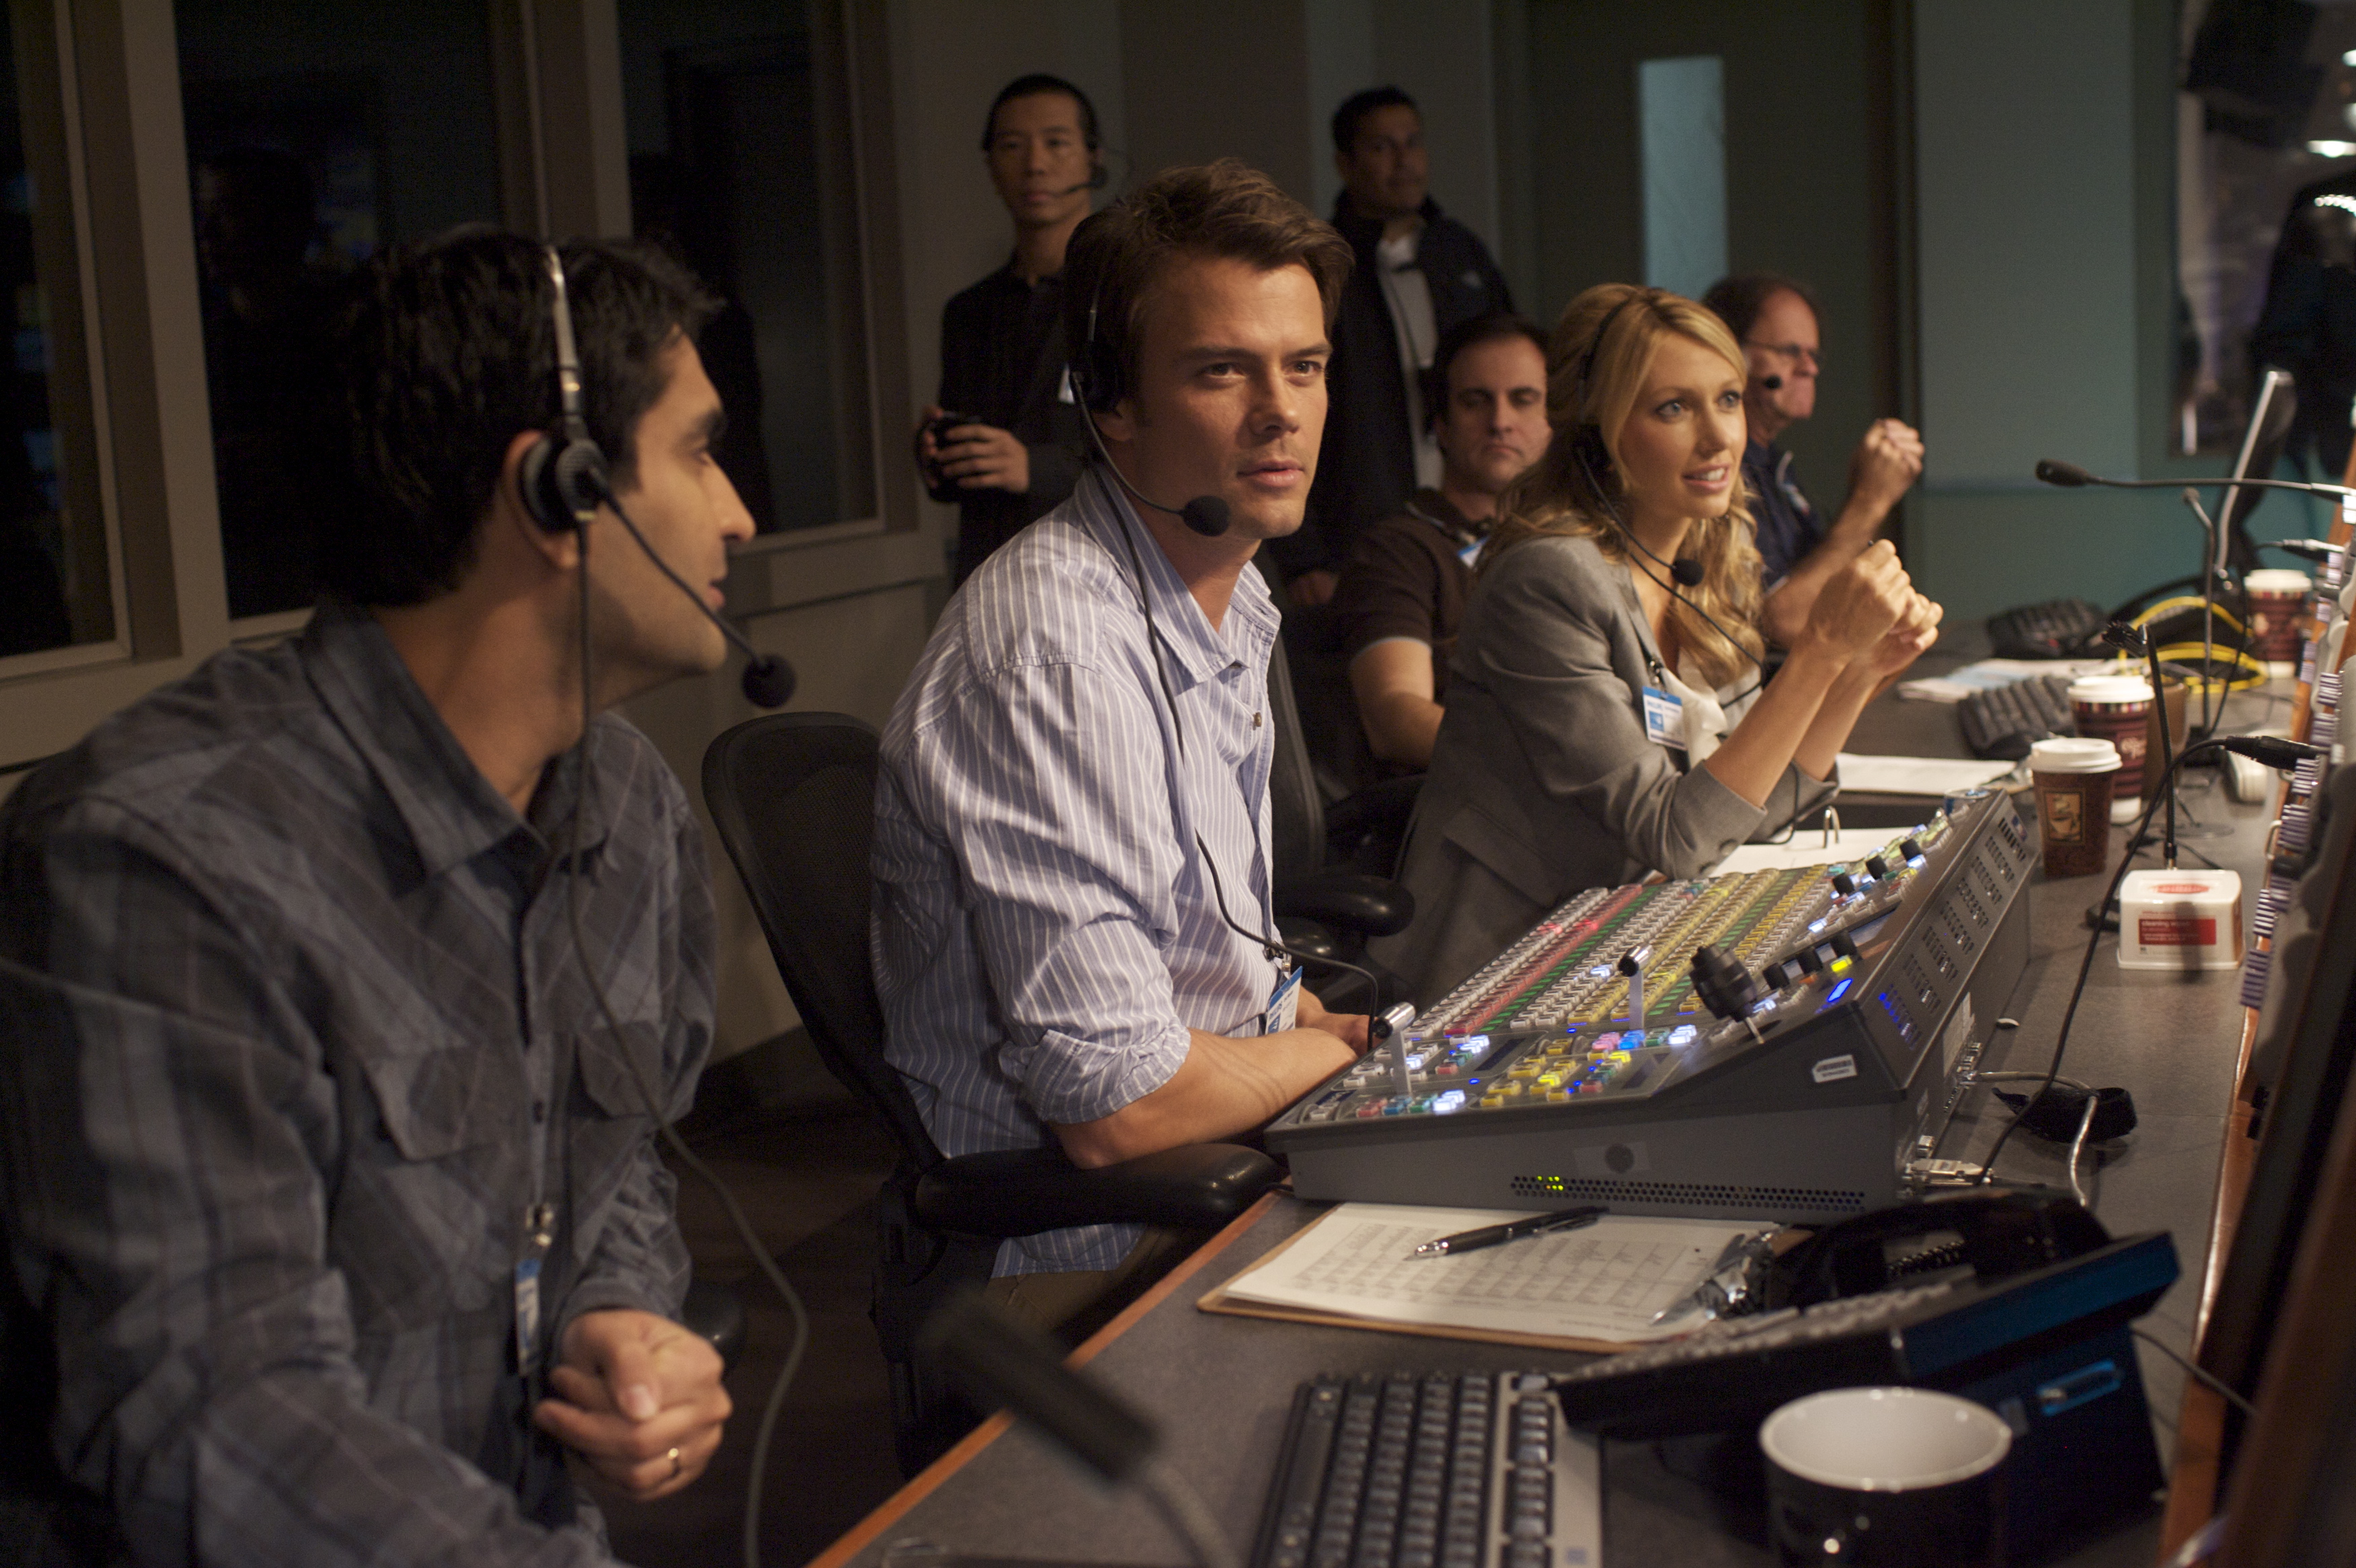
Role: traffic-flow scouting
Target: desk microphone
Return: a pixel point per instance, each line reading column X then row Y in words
column 2071, row 477
column 769, row 681
column 2317, row 550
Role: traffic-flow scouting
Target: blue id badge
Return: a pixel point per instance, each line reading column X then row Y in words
column 1283, row 1003
column 1664, row 718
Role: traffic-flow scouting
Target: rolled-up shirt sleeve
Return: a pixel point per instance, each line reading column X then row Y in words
column 1053, row 774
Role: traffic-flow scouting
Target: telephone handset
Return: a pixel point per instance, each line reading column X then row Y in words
column 1996, row 1234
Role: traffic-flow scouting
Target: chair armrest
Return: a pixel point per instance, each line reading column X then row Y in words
column 1382, row 808
column 1020, row 1192
column 1309, row 937
column 1371, row 906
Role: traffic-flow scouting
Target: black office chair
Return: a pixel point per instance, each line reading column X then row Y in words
column 793, row 796
column 1324, row 904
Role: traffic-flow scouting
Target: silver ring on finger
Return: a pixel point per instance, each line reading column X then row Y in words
column 674, row 1463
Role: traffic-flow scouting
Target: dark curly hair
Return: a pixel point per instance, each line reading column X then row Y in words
column 441, row 353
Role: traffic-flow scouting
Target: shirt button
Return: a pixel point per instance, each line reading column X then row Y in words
column 540, row 1111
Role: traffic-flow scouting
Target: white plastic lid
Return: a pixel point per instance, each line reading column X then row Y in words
column 2277, row 580
column 2110, row 688
column 2073, row 756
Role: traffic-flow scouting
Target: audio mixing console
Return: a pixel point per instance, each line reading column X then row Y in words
column 1845, row 1001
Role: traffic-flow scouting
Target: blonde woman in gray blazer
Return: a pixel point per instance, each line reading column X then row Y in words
column 1605, row 716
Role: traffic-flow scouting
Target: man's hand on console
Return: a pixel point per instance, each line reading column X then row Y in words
column 1350, row 1029
column 640, row 1398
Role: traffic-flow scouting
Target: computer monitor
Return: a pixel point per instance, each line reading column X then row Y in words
column 2301, row 1068
column 2261, row 448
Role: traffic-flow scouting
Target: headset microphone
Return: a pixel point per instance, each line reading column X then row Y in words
column 1773, row 383
column 563, row 484
column 769, row 681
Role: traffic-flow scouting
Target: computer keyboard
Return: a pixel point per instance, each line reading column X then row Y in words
column 1430, row 1470
column 1735, row 1370
column 2004, row 720
column 2057, row 628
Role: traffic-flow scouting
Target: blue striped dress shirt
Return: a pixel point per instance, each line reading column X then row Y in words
column 1045, row 932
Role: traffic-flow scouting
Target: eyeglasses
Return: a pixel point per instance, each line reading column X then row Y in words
column 1797, row 353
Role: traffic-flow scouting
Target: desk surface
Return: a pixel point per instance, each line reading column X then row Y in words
column 1221, row 1386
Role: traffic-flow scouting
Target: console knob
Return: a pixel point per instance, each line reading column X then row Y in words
column 1910, row 848
column 1878, row 866
column 1844, row 884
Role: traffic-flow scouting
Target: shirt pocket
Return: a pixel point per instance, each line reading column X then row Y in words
column 442, row 1099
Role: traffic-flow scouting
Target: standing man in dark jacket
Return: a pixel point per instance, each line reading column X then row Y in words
column 1420, row 273
column 1015, row 448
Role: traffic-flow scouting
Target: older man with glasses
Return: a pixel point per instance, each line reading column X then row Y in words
column 1774, row 320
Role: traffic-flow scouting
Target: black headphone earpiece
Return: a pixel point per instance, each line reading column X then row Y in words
column 1095, row 369
column 563, row 475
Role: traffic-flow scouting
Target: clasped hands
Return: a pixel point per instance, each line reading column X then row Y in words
column 1870, row 615
column 638, row 1397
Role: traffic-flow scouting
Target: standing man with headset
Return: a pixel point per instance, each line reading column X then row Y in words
column 1002, row 442
column 336, row 980
column 1071, row 899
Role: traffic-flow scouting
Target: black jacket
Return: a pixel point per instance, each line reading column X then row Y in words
column 1365, row 469
column 1002, row 362
column 2309, row 326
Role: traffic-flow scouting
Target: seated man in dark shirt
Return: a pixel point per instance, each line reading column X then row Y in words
column 1403, row 587
column 336, row 1224
column 1017, row 451
column 1774, row 320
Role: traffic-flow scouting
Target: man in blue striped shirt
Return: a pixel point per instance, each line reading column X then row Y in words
column 1072, row 876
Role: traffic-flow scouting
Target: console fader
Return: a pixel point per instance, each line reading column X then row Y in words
column 1531, row 1086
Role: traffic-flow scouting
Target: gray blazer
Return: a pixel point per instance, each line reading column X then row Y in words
column 1543, row 782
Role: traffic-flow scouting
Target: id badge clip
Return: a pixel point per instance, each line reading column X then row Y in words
column 1664, row 719
column 1283, row 1003
column 540, row 1230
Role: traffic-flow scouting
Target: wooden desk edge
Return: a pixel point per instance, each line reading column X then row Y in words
column 2195, row 1473
column 894, row 1507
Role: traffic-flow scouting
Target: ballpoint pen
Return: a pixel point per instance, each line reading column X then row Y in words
column 1512, row 1231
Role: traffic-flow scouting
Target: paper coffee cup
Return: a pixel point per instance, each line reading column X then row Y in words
column 2074, row 779
column 2278, row 604
column 2116, row 708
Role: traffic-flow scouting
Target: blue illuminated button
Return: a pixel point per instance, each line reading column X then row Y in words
column 1838, row 992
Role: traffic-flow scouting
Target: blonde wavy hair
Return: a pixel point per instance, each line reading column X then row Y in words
column 1600, row 352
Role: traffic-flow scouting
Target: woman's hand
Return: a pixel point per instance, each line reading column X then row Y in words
column 1861, row 603
column 1904, row 643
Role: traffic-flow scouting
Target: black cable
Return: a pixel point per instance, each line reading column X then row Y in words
column 2199, row 1373
column 647, row 1091
column 2093, row 937
column 1155, row 642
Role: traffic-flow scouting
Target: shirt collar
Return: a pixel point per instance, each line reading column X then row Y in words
column 1199, row 652
column 450, row 810
column 1434, row 506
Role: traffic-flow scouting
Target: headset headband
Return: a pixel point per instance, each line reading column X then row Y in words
column 568, row 359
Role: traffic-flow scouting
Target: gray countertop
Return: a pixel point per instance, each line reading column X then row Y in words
column 1221, row 1386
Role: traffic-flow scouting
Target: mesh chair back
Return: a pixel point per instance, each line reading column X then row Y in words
column 793, row 796
column 1296, row 810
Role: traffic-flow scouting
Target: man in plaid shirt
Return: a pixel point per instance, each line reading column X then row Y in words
column 333, row 1214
